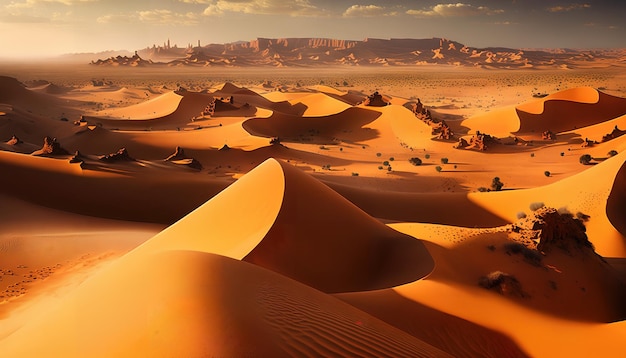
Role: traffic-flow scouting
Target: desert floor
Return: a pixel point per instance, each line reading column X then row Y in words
column 279, row 212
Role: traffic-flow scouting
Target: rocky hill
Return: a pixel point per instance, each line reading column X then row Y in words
column 311, row 52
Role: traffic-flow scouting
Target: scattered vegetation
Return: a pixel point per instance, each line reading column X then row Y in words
column 502, row 283
column 482, row 189
column 531, row 256
column 585, row 159
column 496, row 184
column 355, row 174
column 386, row 163
column 392, row 159
column 379, row 154
column 612, row 153
column 444, row 160
column 547, row 173
column 326, row 167
column 532, row 155
column 380, row 167
column 427, row 156
column 562, row 154
column 438, row 168
column 536, row 205
column 415, row 161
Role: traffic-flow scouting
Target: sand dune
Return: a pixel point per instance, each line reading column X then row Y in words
column 323, row 128
column 335, row 254
column 578, row 105
column 299, row 219
column 209, row 304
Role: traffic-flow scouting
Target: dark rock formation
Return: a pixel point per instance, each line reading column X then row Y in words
column 502, row 283
column 614, row 134
column 375, row 100
column 551, row 230
column 120, row 156
column 180, row 158
column 51, row 147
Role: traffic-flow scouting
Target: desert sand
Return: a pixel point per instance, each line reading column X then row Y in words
column 300, row 212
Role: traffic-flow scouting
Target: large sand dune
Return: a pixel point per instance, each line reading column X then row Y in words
column 285, row 217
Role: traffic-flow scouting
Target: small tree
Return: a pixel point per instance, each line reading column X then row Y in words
column 585, row 159
column 444, row 160
column 438, row 169
column 496, row 184
column 415, row 161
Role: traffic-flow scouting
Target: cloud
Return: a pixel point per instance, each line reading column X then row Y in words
column 162, row 16
column 454, row 10
column 259, row 7
column 367, row 11
column 569, row 7
column 155, row 17
column 33, row 3
column 23, row 19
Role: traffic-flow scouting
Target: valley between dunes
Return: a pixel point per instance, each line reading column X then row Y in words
column 327, row 212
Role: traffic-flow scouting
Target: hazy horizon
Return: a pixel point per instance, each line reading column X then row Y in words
column 46, row 28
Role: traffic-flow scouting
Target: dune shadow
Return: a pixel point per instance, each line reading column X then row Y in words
column 452, row 334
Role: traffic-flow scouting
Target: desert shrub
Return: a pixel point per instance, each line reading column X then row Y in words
column 496, row 184
column 547, row 173
column 415, row 161
column 532, row 155
column 380, row 167
column 444, row 160
column 326, row 167
column 389, row 168
column 562, row 154
column 354, row 174
column 322, row 147
column 341, row 149
column 531, row 256
column 536, row 205
column 379, row 154
column 482, row 189
column 521, row 215
column 438, row 169
column 612, row 153
column 585, row 159
column 582, row 217
column 386, row 163
column 455, row 166
column 392, row 159
column 427, row 156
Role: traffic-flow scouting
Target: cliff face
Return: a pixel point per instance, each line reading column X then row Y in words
column 310, row 52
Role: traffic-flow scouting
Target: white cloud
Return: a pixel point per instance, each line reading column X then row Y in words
column 158, row 16
column 367, row 11
column 570, row 7
column 260, row 7
column 33, row 3
column 161, row 16
column 454, row 10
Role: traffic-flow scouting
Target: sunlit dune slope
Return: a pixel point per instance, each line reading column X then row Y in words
column 320, row 104
column 300, row 228
column 209, row 305
column 160, row 106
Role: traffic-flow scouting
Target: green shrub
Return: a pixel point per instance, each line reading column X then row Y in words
column 427, row 156
column 496, row 184
column 585, row 159
column 378, row 154
column 438, row 168
column 444, row 160
column 415, row 161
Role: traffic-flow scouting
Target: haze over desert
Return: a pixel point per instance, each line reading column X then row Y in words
column 217, row 178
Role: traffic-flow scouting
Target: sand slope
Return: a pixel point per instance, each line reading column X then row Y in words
column 173, row 288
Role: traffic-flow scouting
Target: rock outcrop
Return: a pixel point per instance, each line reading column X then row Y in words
column 51, row 147
column 119, row 156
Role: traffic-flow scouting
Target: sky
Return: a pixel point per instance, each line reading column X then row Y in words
column 52, row 27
